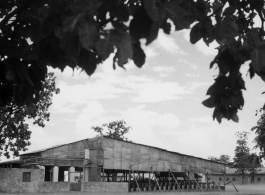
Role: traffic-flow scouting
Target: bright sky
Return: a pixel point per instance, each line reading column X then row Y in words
column 161, row 101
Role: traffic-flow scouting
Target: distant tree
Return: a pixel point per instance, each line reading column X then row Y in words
column 35, row 34
column 259, row 130
column 226, row 159
column 115, row 129
column 244, row 161
column 14, row 129
column 254, row 163
column 241, row 162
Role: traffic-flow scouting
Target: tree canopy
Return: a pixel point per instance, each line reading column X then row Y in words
column 83, row 34
column 244, row 161
column 260, row 132
column 226, row 159
column 14, row 129
column 115, row 129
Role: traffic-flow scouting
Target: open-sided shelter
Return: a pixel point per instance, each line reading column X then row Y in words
column 103, row 159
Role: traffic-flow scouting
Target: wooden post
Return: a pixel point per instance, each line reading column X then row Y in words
column 197, row 184
column 156, row 179
column 189, row 180
column 168, row 180
column 149, row 183
column 214, row 182
column 207, row 182
column 136, row 180
column 129, row 181
column 176, row 181
column 224, row 179
column 231, row 182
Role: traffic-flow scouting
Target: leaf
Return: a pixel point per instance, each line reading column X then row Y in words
column 88, row 61
column 258, row 58
column 235, row 118
column 88, row 34
column 174, row 10
column 166, row 27
column 140, row 25
column 217, row 5
column 151, row 9
column 229, row 11
column 180, row 17
column 21, row 71
column 209, row 102
column 195, row 33
column 226, row 31
column 138, row 55
column 122, row 41
column 153, row 33
column 104, row 47
column 10, row 76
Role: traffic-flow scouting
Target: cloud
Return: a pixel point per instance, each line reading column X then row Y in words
column 157, row 91
column 166, row 42
column 194, row 75
column 202, row 137
column 163, row 41
column 207, row 50
column 144, row 122
column 149, row 51
column 197, row 85
column 184, row 61
column 94, row 114
column 165, row 69
column 73, row 95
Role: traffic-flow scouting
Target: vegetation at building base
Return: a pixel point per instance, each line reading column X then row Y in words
column 14, row 129
column 115, row 130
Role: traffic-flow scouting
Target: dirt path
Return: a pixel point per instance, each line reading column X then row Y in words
column 255, row 189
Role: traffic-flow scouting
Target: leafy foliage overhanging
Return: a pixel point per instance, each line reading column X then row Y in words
column 14, row 129
column 83, row 33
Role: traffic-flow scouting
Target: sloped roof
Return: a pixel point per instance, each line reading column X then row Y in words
column 260, row 170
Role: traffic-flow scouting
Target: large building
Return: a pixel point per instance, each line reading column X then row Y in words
column 115, row 165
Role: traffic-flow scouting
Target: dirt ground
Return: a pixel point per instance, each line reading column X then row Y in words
column 251, row 189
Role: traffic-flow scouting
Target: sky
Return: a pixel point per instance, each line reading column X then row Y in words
column 162, row 101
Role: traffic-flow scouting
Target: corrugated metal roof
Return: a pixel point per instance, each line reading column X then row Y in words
column 260, row 170
column 42, row 150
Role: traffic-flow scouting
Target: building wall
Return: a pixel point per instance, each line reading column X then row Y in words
column 101, row 187
column 237, row 179
column 124, row 155
column 11, row 181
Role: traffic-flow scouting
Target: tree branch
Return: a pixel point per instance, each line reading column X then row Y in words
column 10, row 15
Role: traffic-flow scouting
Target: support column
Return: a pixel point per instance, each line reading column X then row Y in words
column 207, row 182
column 48, row 173
column 71, row 177
column 86, row 174
column 55, row 174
